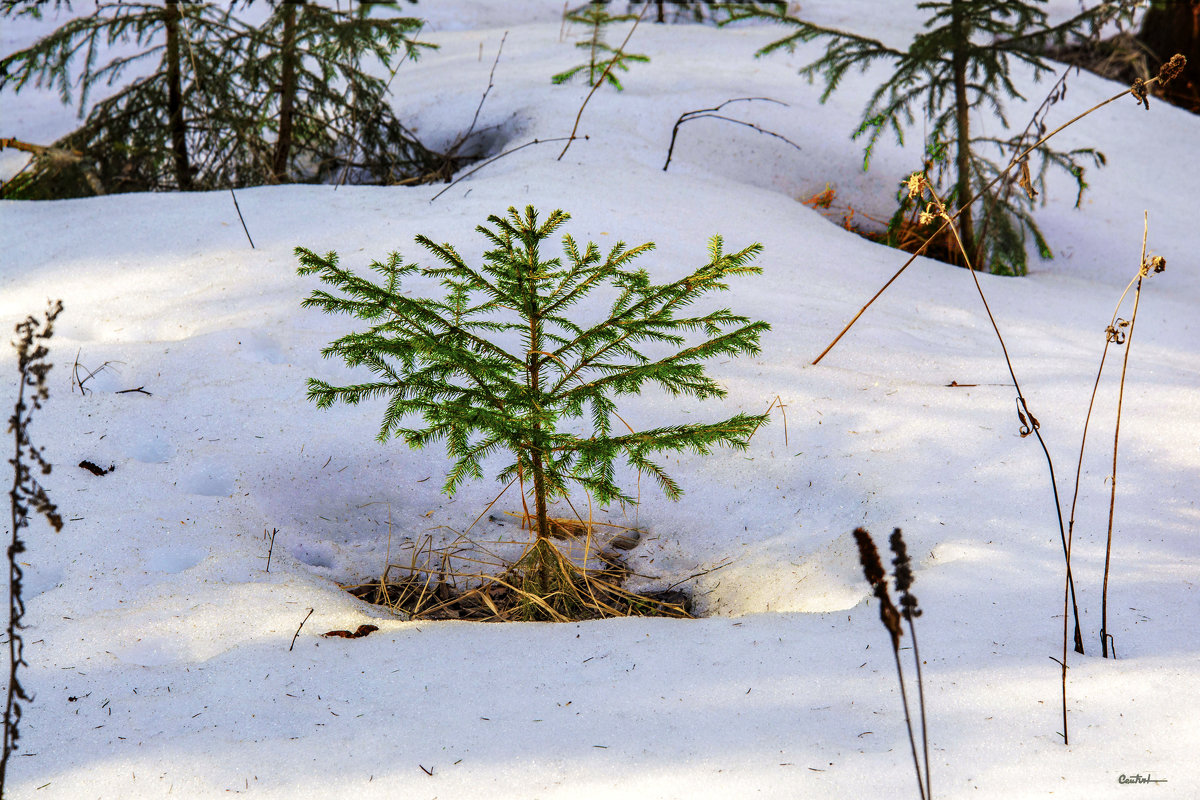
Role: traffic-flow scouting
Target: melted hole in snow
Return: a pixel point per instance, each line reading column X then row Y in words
column 210, row 480
column 314, row 555
column 174, row 560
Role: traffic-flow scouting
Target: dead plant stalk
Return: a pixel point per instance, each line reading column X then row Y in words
column 1157, row 264
column 1029, row 424
column 600, row 81
column 1176, row 65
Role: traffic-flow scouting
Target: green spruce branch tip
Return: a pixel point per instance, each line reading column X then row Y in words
column 603, row 59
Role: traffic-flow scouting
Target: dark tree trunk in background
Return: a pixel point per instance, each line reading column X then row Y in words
column 966, row 226
column 1170, row 27
column 287, row 96
column 183, row 170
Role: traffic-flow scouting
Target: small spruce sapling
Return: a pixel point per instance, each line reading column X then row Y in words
column 960, row 64
column 501, row 363
column 603, row 58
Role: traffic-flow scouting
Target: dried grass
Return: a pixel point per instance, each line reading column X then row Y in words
column 470, row 579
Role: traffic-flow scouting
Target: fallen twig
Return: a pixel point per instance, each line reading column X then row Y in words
column 297, row 634
column 496, row 157
column 702, row 113
column 271, row 546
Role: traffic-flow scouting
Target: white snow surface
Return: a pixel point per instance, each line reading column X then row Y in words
column 160, row 651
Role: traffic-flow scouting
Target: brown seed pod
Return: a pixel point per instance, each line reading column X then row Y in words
column 1170, row 70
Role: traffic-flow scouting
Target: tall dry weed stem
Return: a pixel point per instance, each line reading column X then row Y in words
column 917, row 184
column 1170, row 70
column 26, row 493
column 1148, row 266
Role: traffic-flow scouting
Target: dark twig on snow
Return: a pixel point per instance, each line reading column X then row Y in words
column 271, row 549
column 297, row 634
column 91, row 373
column 703, row 113
column 496, row 157
column 242, row 219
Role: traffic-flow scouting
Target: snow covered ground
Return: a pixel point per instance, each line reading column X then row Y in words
column 159, row 648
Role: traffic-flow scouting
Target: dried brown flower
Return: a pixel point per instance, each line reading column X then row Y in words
column 1170, row 70
column 1025, row 182
column 1138, row 90
column 915, row 184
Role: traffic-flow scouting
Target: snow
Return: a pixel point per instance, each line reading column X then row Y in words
column 164, row 657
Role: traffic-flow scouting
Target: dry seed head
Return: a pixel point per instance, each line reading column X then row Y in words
column 904, row 577
column 873, row 570
column 916, row 184
column 1138, row 90
column 1170, row 70
column 902, row 563
column 869, row 557
column 1025, row 181
column 1153, row 264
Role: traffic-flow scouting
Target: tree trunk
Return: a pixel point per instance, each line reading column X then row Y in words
column 537, row 445
column 175, row 120
column 962, row 191
column 1170, row 27
column 539, row 485
column 287, row 96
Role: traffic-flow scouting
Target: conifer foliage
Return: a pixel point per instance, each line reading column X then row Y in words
column 603, row 59
column 226, row 103
column 957, row 66
column 500, row 364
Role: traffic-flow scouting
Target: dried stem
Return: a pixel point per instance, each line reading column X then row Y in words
column 1017, row 159
column 616, row 57
column 496, row 157
column 1158, row 265
column 702, row 113
column 26, row 494
column 1029, row 424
